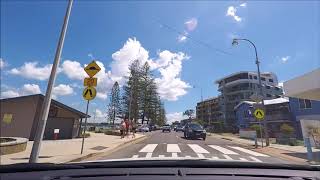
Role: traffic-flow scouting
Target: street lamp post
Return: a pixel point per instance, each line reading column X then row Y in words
column 235, row 42
column 47, row 99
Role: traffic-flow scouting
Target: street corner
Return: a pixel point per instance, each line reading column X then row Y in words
column 287, row 156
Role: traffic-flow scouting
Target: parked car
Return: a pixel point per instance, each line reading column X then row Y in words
column 144, row 129
column 179, row 128
column 166, row 128
column 193, row 130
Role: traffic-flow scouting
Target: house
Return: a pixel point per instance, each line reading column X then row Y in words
column 277, row 113
column 20, row 117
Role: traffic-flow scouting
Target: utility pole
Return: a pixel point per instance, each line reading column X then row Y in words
column 47, row 100
column 235, row 42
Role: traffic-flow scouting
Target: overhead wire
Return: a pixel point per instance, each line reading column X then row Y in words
column 191, row 38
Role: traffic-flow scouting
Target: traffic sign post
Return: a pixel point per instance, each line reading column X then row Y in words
column 259, row 115
column 90, row 91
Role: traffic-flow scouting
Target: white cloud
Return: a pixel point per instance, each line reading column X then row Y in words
column 26, row 89
column 31, row 70
column 176, row 116
column 243, row 5
column 98, row 116
column 232, row 12
column 131, row 51
column 191, row 24
column 9, row 94
column 183, row 37
column 170, row 86
column 102, row 96
column 62, row 90
column 285, row 59
column 2, row 63
column 73, row 70
column 30, row 89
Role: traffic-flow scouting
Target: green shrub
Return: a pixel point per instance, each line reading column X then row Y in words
column 286, row 129
column 113, row 133
column 256, row 127
column 99, row 131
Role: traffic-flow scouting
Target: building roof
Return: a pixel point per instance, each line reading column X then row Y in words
column 243, row 102
column 233, row 74
column 266, row 102
column 53, row 102
column 276, row 101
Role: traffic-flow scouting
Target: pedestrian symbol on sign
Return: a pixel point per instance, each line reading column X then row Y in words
column 259, row 114
column 89, row 93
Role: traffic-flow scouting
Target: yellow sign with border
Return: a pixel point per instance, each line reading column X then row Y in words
column 92, row 69
column 7, row 118
column 90, row 82
column 89, row 93
column 259, row 114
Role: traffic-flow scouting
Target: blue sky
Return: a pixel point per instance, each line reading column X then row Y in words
column 181, row 40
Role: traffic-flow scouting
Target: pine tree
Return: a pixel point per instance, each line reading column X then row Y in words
column 114, row 107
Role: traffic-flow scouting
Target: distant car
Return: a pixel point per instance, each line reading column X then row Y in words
column 193, row 130
column 175, row 128
column 166, row 128
column 180, row 128
column 144, row 129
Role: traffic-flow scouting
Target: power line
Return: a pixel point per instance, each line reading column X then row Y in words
column 191, row 38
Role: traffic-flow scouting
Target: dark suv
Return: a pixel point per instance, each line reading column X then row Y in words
column 193, row 130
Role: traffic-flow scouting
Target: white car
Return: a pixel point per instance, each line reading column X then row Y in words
column 144, row 129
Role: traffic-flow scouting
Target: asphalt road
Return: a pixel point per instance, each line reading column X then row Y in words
column 173, row 145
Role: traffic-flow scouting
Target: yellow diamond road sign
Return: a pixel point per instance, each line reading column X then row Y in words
column 259, row 113
column 89, row 93
column 90, row 82
column 92, row 69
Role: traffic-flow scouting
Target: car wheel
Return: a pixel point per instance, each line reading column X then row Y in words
column 204, row 138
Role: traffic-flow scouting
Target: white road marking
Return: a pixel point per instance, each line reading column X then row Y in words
column 243, row 159
column 214, row 157
column 200, row 155
column 149, row 148
column 197, row 149
column 227, row 157
column 188, row 156
column 174, row 148
column 149, row 155
column 174, row 154
column 248, row 151
column 255, row 159
column 223, row 150
column 161, row 156
column 135, row 156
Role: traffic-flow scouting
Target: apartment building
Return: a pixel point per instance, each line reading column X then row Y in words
column 209, row 111
column 238, row 87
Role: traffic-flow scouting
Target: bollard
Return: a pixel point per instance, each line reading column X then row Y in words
column 255, row 142
column 307, row 143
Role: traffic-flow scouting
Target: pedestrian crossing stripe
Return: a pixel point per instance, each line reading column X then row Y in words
column 248, row 151
column 196, row 148
column 222, row 149
column 199, row 155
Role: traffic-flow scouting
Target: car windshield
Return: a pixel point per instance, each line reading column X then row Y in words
column 195, row 126
column 228, row 81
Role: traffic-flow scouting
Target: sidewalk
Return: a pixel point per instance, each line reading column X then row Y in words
column 61, row 151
